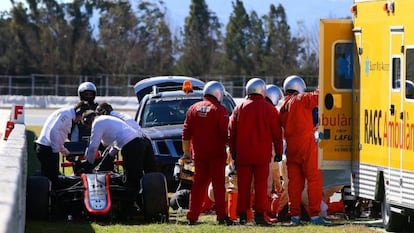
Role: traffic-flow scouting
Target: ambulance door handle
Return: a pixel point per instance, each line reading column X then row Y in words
column 392, row 110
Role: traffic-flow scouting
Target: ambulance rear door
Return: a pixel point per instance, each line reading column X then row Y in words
column 336, row 70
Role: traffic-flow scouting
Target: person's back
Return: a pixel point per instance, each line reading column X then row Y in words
column 254, row 129
column 296, row 114
column 111, row 131
column 257, row 128
column 55, row 129
column 301, row 151
column 205, row 128
column 207, row 119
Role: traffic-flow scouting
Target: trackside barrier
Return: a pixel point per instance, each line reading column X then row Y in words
column 13, row 178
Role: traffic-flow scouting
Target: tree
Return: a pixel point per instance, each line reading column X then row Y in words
column 118, row 36
column 26, row 37
column 8, row 46
column 83, row 46
column 155, row 39
column 135, row 42
column 51, row 38
column 201, row 36
column 309, row 60
column 282, row 50
column 237, row 40
column 256, row 44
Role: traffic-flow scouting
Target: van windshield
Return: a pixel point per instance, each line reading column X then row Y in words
column 172, row 111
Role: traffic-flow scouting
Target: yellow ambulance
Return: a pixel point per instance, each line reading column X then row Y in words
column 366, row 104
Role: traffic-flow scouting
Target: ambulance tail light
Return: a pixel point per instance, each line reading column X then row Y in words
column 354, row 10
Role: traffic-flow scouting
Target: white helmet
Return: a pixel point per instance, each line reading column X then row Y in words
column 294, row 83
column 86, row 86
column 274, row 93
column 215, row 89
column 256, row 86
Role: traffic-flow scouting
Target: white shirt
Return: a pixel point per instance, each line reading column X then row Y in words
column 110, row 131
column 130, row 121
column 56, row 128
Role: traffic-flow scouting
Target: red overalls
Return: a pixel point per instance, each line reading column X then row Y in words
column 206, row 127
column 253, row 127
column 301, row 151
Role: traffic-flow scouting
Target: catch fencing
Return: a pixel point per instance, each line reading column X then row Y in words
column 113, row 85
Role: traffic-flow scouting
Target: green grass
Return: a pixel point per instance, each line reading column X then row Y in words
column 207, row 224
column 175, row 225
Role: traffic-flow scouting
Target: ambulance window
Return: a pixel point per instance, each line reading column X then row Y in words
column 396, row 72
column 409, row 73
column 409, row 65
column 343, row 65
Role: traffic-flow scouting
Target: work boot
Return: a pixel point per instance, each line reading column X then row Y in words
column 225, row 221
column 191, row 222
column 242, row 218
column 295, row 221
column 320, row 221
column 260, row 220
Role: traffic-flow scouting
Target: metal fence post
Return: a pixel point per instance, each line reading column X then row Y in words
column 33, row 83
column 9, row 81
column 56, row 84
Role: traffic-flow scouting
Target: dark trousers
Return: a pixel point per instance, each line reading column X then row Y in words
column 49, row 163
column 149, row 160
column 133, row 160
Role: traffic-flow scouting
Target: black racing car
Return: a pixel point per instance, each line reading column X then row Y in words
column 98, row 193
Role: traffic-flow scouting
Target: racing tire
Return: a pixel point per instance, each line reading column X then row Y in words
column 38, row 197
column 155, row 197
column 392, row 221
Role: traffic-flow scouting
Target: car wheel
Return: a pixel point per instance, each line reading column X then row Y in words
column 38, row 197
column 154, row 197
column 392, row 221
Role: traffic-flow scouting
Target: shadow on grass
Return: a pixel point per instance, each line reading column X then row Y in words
column 32, row 162
column 35, row 226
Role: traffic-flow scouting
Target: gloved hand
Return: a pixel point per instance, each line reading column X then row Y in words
column 64, row 151
column 113, row 152
column 277, row 158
